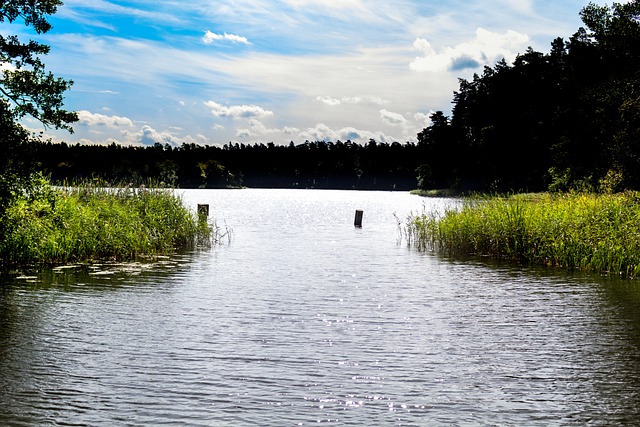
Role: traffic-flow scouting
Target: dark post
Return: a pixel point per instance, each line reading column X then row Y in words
column 358, row 220
column 203, row 212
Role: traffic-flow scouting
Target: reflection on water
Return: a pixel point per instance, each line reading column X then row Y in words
column 304, row 319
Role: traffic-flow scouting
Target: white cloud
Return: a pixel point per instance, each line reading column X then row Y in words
column 392, row 118
column 300, row 79
column 322, row 132
column 524, row 6
column 315, row 78
column 259, row 129
column 335, row 4
column 210, row 37
column 359, row 66
column 96, row 119
column 243, row 133
column 431, row 61
column 328, row 100
column 486, row 49
column 237, row 111
column 5, row 66
column 351, row 100
column 289, row 130
column 423, row 120
column 147, row 135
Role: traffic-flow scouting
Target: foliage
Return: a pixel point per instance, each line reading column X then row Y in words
column 576, row 231
column 26, row 88
column 50, row 225
column 569, row 118
column 319, row 164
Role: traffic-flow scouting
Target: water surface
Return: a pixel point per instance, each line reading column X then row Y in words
column 305, row 319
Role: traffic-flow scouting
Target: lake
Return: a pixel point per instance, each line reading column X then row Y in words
column 304, row 319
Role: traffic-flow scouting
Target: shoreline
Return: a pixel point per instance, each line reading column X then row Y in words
column 53, row 226
column 587, row 232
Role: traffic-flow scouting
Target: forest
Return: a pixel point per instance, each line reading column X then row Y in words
column 567, row 119
column 318, row 164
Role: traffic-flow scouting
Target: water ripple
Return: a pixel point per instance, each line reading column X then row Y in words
column 305, row 320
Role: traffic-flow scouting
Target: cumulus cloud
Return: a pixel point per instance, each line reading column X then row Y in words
column 211, row 37
column 351, row 100
column 486, row 49
column 237, row 111
column 423, row 120
column 328, row 100
column 87, row 118
column 392, row 118
column 290, row 130
column 431, row 61
column 243, row 133
column 259, row 128
column 322, row 132
column 147, row 135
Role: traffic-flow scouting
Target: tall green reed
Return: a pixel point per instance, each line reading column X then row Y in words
column 576, row 231
column 88, row 221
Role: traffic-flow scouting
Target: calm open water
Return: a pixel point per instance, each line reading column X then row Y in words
column 304, row 320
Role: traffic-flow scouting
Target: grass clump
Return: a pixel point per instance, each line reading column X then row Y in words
column 52, row 225
column 589, row 232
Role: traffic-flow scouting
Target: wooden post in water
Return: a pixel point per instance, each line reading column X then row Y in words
column 203, row 212
column 358, row 221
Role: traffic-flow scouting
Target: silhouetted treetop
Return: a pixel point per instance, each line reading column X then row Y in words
column 564, row 119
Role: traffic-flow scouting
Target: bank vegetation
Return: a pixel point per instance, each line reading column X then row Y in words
column 49, row 225
column 591, row 232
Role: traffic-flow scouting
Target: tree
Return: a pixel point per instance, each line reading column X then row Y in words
column 26, row 89
column 605, row 61
column 568, row 119
column 438, row 148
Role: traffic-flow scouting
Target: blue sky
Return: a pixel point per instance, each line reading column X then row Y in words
column 219, row 71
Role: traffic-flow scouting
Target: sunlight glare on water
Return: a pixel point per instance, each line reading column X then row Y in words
column 305, row 319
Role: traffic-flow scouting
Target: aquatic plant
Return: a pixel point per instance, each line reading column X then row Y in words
column 576, row 231
column 84, row 222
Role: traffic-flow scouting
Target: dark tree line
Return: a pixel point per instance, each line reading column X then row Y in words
column 562, row 120
column 319, row 164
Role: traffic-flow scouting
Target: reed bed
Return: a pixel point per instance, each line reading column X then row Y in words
column 58, row 225
column 599, row 233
